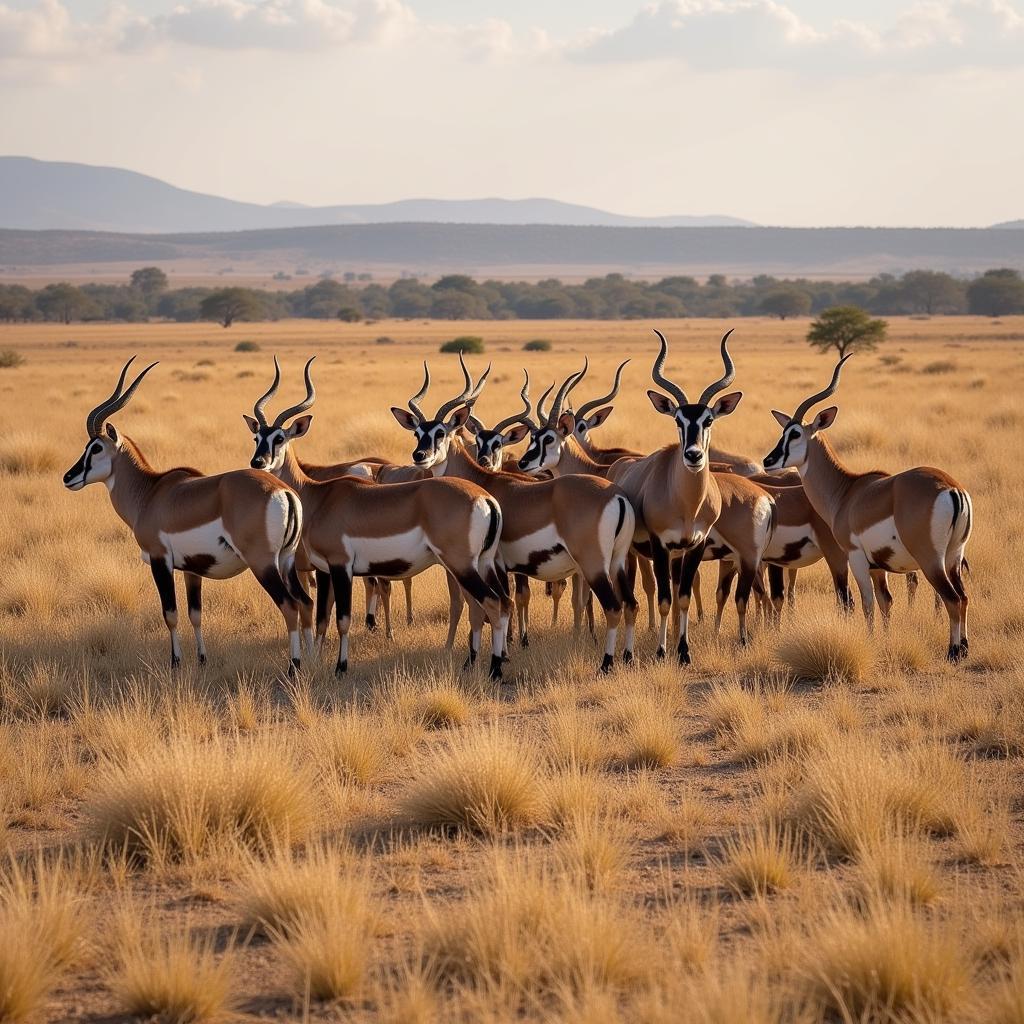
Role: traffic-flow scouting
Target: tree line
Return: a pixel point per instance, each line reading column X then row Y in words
column 147, row 295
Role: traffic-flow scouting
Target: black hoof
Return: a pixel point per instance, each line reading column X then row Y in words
column 660, row 654
column 371, row 622
column 954, row 654
column 202, row 659
column 683, row 651
column 494, row 673
column 627, row 657
column 175, row 661
column 341, row 668
column 963, row 647
column 525, row 642
column 607, row 663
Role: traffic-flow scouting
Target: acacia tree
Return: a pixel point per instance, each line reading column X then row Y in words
column 846, row 329
column 151, row 281
column 64, row 302
column 996, row 293
column 231, row 304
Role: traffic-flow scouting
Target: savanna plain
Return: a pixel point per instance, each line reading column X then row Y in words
column 824, row 825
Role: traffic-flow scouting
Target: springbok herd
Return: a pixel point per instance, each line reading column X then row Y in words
column 566, row 509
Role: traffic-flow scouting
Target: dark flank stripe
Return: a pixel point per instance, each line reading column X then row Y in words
column 622, row 515
column 493, row 526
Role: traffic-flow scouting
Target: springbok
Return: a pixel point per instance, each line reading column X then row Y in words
column 683, row 507
column 551, row 528
column 207, row 527
column 356, row 527
column 918, row 519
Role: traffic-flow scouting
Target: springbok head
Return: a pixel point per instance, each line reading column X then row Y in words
column 552, row 427
column 694, row 419
column 492, row 441
column 792, row 447
column 272, row 438
column 97, row 460
column 593, row 413
column 434, row 434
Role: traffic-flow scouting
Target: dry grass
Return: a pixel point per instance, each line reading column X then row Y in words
column 482, row 780
column 174, row 975
column 189, row 797
column 823, row 826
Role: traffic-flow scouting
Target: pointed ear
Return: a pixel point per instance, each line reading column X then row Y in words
column 405, row 418
column 515, row 434
column 825, row 418
column 459, row 417
column 472, row 426
column 781, row 418
column 599, row 417
column 566, row 424
column 662, row 403
column 252, row 423
column 726, row 404
column 113, row 434
column 298, row 428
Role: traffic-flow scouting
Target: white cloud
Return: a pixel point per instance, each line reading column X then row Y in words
column 719, row 35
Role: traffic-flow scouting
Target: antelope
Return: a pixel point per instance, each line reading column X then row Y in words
column 207, row 527
column 551, row 528
column 355, row 527
column 918, row 519
column 683, row 507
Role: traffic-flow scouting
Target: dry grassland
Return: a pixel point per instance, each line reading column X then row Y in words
column 715, row 844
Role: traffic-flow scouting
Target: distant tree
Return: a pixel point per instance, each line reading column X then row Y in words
column 151, row 281
column 846, row 329
column 349, row 315
column 467, row 343
column 454, row 304
column 996, row 293
column 230, row 304
column 786, row 302
column 537, row 345
column 455, row 282
column 64, row 302
column 182, row 304
column 16, row 303
column 930, row 291
column 409, row 298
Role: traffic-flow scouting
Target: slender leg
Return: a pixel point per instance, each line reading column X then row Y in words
column 698, row 604
column 690, row 562
column 726, row 574
column 456, row 602
column 273, row 583
column 777, row 584
column 163, row 576
column 194, row 597
column 556, row 588
column 663, row 576
column 407, row 584
column 523, row 608
column 341, row 580
column 883, row 595
column 912, row 584
column 861, row 569
column 324, row 602
column 650, row 585
column 748, row 575
column 601, row 585
column 955, row 573
column 371, row 590
column 385, row 600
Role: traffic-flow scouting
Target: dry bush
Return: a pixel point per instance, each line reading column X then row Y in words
column 512, row 935
column 350, row 744
column 1005, row 1002
column 649, row 740
column 39, row 767
column 29, row 452
column 571, row 794
column 790, row 734
column 43, row 689
column 41, row 926
column 483, row 780
column 327, row 955
column 853, row 795
column 821, row 649
column 287, row 886
column 759, row 860
column 897, row 868
column 172, row 975
column 594, row 851
column 574, row 737
column 188, row 797
column 885, row 963
column 939, row 366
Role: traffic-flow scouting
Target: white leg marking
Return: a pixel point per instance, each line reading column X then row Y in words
column 610, row 637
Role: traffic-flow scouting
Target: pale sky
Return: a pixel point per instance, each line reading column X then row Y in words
column 797, row 112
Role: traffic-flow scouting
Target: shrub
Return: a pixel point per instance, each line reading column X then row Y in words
column 9, row 359
column 537, row 345
column 247, row 346
column 385, row 340
column 466, row 343
column 826, row 649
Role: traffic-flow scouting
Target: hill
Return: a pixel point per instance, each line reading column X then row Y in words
column 45, row 195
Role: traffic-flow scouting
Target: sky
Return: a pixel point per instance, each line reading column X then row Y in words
column 789, row 112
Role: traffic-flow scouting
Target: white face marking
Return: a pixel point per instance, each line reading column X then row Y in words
column 97, row 464
column 202, row 543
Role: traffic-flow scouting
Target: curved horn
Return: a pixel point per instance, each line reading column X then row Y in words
column 454, row 403
column 117, row 401
column 89, row 420
column 801, row 411
column 414, row 402
column 310, row 398
column 588, row 407
column 660, row 379
column 727, row 378
column 567, row 385
column 526, row 416
column 542, row 416
column 478, row 388
column 261, row 403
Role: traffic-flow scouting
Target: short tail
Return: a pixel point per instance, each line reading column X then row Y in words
column 289, row 544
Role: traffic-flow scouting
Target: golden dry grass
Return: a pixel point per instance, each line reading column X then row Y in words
column 822, row 826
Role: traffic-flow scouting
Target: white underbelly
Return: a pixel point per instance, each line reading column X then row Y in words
column 792, row 546
column 205, row 550
column 883, row 547
column 394, row 557
column 542, row 554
